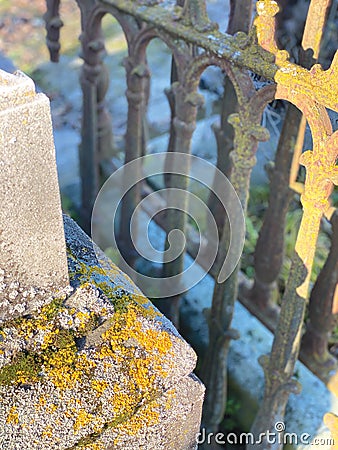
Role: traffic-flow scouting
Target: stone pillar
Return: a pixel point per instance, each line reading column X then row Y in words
column 33, row 263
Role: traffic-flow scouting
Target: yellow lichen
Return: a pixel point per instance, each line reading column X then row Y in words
column 42, row 402
column 123, row 404
column 13, row 416
column 142, row 353
column 51, row 408
column 47, row 432
column 94, row 446
column 84, row 319
column 146, row 417
column 127, row 327
column 60, row 368
column 170, row 399
column 65, row 368
column 99, row 386
column 49, row 338
column 83, row 418
column 125, row 335
column 3, row 334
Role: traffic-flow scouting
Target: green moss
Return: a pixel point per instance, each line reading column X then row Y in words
column 47, row 313
column 64, row 339
column 52, row 308
column 96, row 276
column 25, row 367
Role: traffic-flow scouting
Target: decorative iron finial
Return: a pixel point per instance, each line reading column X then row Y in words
column 265, row 24
column 195, row 13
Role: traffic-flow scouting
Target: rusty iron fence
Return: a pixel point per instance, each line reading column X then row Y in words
column 196, row 43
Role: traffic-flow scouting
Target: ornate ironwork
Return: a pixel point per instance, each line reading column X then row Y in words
column 310, row 90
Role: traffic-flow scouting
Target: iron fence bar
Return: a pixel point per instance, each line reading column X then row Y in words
column 184, row 124
column 53, row 25
column 248, row 132
column 269, row 251
column 137, row 73
column 322, row 319
column 239, row 20
column 93, row 86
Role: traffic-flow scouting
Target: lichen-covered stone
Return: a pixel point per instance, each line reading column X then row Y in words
column 98, row 369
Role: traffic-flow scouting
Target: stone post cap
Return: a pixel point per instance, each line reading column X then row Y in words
column 15, row 89
column 33, row 263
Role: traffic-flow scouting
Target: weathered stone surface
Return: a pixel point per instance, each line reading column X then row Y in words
column 172, row 422
column 99, row 369
column 33, row 263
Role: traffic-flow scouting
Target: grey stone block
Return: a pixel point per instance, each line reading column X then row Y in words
column 33, row 265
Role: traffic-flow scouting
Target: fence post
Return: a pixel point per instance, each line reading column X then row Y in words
column 269, row 251
column 184, row 123
column 96, row 130
column 239, row 20
column 248, row 132
column 137, row 75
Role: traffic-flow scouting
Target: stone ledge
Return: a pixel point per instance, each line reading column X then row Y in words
column 100, row 368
